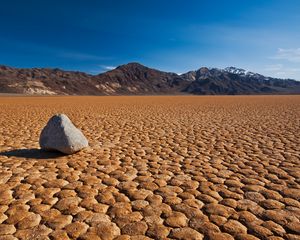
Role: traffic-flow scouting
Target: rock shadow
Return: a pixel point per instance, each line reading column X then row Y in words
column 34, row 153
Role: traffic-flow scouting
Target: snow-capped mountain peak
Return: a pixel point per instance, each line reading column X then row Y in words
column 235, row 70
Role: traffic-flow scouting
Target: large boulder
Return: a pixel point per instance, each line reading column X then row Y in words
column 60, row 134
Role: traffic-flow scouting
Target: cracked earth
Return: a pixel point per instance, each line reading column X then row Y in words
column 177, row 167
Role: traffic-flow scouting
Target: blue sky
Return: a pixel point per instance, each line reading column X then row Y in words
column 175, row 35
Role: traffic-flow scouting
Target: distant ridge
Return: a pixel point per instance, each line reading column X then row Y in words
column 136, row 79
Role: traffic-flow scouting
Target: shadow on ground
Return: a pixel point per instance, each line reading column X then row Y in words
column 32, row 153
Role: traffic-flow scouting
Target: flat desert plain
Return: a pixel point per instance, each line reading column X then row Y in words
column 167, row 167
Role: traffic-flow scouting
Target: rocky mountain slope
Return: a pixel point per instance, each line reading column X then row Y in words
column 134, row 79
column 236, row 81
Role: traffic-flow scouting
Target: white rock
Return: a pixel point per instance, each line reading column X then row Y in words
column 60, row 134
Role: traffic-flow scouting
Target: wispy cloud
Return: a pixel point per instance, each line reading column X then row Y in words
column 57, row 52
column 279, row 70
column 105, row 67
column 274, row 67
column 288, row 54
column 100, row 69
column 81, row 56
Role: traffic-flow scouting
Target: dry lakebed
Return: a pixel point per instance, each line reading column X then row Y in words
column 157, row 167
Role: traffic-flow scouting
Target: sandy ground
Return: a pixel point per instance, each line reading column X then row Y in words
column 157, row 168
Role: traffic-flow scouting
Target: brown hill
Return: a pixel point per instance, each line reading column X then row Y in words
column 134, row 78
column 43, row 81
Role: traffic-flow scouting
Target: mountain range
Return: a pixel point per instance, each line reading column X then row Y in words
column 136, row 79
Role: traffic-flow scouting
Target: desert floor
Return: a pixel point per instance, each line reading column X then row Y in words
column 157, row 168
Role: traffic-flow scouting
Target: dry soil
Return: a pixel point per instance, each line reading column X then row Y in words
column 157, row 168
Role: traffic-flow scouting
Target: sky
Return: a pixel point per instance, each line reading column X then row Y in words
column 171, row 35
